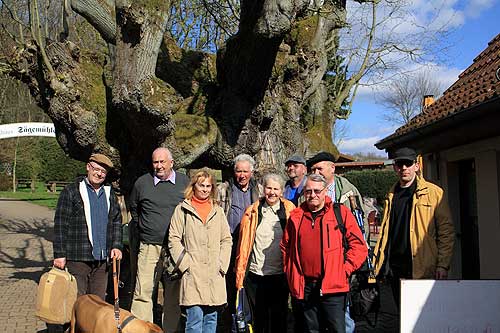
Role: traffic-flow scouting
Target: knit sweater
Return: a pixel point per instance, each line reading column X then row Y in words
column 152, row 206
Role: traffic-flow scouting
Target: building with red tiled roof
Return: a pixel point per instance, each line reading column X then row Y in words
column 458, row 137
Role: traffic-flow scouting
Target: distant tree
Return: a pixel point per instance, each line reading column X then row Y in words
column 364, row 157
column 404, row 98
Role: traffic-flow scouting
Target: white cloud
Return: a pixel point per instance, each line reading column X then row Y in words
column 361, row 145
column 474, row 8
column 444, row 75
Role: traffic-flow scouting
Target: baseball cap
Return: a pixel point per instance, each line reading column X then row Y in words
column 404, row 153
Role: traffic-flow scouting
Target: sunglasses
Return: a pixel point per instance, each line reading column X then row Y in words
column 406, row 163
column 315, row 191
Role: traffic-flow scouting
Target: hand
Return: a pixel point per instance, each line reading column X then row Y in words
column 60, row 263
column 115, row 253
column 441, row 273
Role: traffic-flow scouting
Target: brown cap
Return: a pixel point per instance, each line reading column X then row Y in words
column 102, row 160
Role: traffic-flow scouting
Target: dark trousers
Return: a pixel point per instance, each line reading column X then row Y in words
column 91, row 278
column 225, row 320
column 317, row 313
column 269, row 298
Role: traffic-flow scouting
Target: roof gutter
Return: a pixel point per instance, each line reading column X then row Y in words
column 465, row 115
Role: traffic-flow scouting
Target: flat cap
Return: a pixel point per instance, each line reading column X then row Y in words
column 320, row 157
column 404, row 153
column 101, row 160
column 296, row 159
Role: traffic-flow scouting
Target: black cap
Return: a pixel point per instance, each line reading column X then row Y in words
column 405, row 153
column 296, row 159
column 320, row 157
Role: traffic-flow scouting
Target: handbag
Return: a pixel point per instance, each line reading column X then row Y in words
column 166, row 267
column 56, row 295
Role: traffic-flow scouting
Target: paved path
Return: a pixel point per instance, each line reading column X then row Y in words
column 25, row 253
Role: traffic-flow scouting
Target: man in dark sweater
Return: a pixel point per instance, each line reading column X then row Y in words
column 152, row 202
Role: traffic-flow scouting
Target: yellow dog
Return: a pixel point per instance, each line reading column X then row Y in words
column 92, row 315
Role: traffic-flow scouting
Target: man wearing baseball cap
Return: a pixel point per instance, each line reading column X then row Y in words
column 87, row 229
column 296, row 170
column 417, row 235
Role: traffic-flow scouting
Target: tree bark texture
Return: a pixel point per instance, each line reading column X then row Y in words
column 263, row 93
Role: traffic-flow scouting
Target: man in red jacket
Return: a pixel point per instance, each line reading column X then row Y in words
column 316, row 265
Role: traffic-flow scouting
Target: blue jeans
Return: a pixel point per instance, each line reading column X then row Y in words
column 200, row 318
column 349, row 322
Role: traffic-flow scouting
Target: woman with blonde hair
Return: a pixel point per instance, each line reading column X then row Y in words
column 199, row 233
column 259, row 263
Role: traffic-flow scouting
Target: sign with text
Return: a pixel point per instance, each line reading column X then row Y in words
column 27, row 129
column 450, row 306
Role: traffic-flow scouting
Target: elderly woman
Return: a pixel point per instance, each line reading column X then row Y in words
column 259, row 264
column 199, row 229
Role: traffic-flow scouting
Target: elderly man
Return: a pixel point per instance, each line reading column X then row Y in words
column 152, row 202
column 417, row 235
column 315, row 261
column 87, row 229
column 234, row 196
column 339, row 189
column 296, row 171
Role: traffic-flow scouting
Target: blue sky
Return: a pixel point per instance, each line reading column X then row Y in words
column 474, row 23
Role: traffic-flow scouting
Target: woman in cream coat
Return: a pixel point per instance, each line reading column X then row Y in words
column 199, row 227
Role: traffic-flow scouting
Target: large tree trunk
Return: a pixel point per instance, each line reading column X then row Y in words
column 262, row 94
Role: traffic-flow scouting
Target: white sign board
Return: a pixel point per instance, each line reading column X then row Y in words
column 27, row 129
column 450, row 306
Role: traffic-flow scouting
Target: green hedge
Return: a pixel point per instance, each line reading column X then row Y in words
column 373, row 183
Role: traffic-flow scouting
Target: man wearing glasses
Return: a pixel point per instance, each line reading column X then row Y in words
column 417, row 235
column 314, row 262
column 87, row 229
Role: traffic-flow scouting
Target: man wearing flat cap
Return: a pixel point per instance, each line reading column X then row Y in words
column 417, row 235
column 296, row 170
column 339, row 189
column 87, row 229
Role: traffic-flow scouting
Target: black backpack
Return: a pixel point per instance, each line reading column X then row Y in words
column 364, row 297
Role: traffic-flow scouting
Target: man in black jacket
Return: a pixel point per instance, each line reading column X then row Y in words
column 87, row 229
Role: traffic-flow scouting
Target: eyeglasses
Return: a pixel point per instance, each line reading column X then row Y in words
column 406, row 163
column 315, row 191
column 97, row 169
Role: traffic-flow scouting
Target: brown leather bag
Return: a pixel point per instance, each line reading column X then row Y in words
column 57, row 292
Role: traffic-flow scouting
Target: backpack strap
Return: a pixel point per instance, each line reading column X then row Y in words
column 341, row 225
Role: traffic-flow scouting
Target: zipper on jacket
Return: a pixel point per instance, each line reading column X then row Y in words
column 328, row 234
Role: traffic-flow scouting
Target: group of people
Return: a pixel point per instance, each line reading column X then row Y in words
column 274, row 239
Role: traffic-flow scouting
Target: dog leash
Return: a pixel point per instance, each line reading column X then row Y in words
column 116, row 277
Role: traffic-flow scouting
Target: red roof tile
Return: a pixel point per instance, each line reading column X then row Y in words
column 476, row 85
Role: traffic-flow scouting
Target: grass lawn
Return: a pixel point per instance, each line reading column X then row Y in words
column 39, row 197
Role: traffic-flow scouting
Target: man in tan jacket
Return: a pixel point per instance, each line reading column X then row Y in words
column 417, row 235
